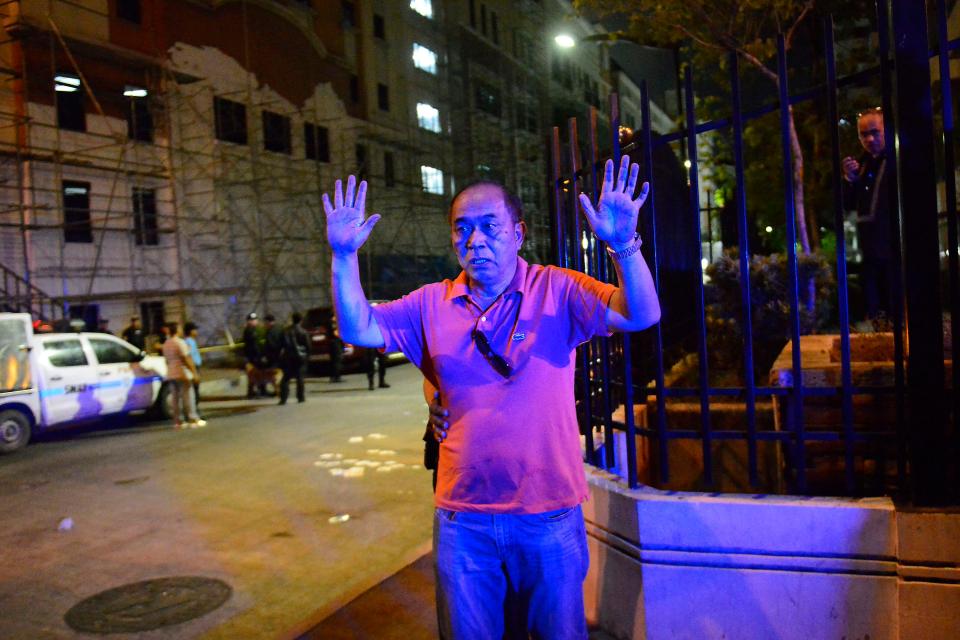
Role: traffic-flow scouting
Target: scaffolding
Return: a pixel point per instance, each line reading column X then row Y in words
column 238, row 228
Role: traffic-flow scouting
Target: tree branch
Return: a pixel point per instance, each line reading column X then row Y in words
column 682, row 29
column 788, row 39
column 758, row 63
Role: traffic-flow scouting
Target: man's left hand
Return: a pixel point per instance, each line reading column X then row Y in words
column 438, row 418
column 614, row 220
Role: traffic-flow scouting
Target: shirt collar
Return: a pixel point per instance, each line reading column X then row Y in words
column 460, row 287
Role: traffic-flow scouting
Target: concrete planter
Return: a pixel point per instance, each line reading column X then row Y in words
column 756, row 567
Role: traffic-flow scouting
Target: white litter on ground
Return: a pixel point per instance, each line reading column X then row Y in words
column 337, row 519
column 353, row 472
column 376, row 436
column 355, row 439
column 326, row 464
column 390, row 465
column 387, row 452
column 373, row 451
column 349, row 461
column 336, row 472
column 369, row 463
column 65, row 525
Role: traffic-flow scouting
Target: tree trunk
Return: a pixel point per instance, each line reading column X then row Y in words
column 798, row 200
column 800, row 208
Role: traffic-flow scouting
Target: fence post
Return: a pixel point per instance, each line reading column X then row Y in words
column 917, row 171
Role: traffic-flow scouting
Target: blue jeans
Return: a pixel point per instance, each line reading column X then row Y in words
column 510, row 576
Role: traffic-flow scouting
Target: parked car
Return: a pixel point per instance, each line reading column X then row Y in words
column 317, row 322
column 54, row 380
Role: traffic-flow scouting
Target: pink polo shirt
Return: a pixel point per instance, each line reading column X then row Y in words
column 513, row 445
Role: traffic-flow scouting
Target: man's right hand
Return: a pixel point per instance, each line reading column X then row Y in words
column 347, row 226
column 438, row 418
column 851, row 169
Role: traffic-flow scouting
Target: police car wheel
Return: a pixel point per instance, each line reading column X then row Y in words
column 14, row 431
column 163, row 406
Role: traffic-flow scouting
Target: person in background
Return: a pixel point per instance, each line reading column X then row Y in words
column 103, row 326
column 190, row 331
column 272, row 348
column 864, row 189
column 134, row 334
column 181, row 373
column 293, row 358
column 254, row 357
column 375, row 362
column 336, row 351
column 162, row 338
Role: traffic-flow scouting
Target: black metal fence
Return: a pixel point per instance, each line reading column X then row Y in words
column 827, row 421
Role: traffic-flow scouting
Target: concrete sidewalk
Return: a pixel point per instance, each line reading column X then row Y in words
column 399, row 608
column 221, row 383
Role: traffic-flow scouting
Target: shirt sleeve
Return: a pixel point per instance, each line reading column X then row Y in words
column 401, row 325
column 587, row 300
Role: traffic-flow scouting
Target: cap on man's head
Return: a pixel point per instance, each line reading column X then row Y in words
column 269, row 317
column 252, row 315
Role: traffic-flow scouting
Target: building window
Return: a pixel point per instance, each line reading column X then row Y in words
column 354, row 89
column 379, row 27
column 527, row 117
column 383, row 97
column 276, row 132
column 316, row 140
column 349, row 13
column 69, row 96
column 145, row 217
column 230, row 120
column 427, row 117
column 483, row 18
column 473, row 14
column 139, row 118
column 76, row 212
column 424, row 58
column 389, row 174
column 423, row 7
column 129, row 10
column 488, row 99
column 153, row 316
column 361, row 155
column 432, row 179
column 494, row 27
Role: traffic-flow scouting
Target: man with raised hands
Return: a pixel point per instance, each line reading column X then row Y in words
column 499, row 343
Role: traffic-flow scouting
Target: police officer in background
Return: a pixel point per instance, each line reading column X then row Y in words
column 134, row 334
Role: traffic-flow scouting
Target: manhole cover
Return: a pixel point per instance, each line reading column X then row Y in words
column 147, row 605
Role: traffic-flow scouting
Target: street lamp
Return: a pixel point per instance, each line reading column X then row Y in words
column 565, row 41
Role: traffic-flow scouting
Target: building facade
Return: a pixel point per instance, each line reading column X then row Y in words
column 165, row 159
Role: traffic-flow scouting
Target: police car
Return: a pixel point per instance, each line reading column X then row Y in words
column 56, row 380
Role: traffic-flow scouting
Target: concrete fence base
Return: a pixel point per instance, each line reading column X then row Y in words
column 756, row 567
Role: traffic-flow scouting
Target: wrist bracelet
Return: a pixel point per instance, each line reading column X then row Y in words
column 629, row 251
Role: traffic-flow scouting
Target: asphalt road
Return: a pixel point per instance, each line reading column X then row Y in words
column 258, row 499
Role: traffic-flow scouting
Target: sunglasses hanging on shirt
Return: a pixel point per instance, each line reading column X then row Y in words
column 497, row 361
